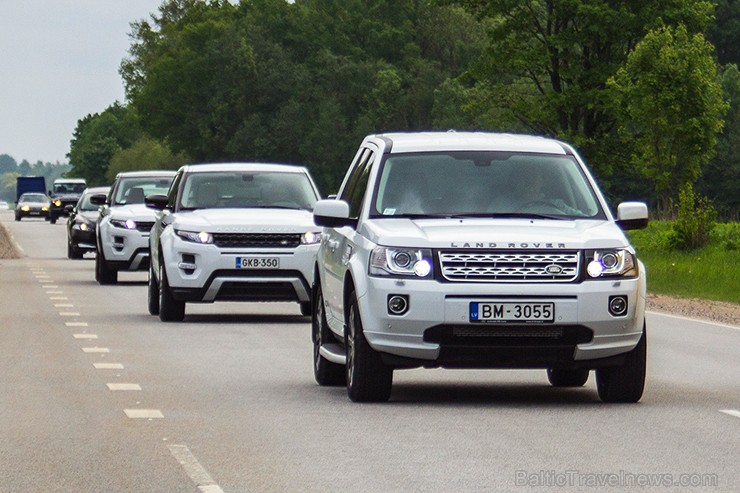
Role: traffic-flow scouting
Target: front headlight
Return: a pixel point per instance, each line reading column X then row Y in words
column 401, row 262
column 83, row 226
column 25, row 208
column 611, row 263
column 200, row 237
column 310, row 238
column 120, row 223
column 45, row 208
column 57, row 203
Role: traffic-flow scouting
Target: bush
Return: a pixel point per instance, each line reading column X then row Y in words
column 695, row 221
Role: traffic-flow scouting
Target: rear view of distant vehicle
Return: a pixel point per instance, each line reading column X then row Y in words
column 64, row 192
column 233, row 232
column 122, row 231
column 32, row 205
column 81, row 224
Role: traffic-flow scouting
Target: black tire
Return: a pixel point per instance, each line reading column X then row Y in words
column 73, row 252
column 170, row 309
column 625, row 383
column 306, row 309
column 152, row 293
column 325, row 372
column 103, row 273
column 52, row 219
column 17, row 217
column 559, row 377
column 368, row 378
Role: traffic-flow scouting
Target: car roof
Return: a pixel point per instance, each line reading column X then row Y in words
column 70, row 180
column 469, row 141
column 141, row 174
column 226, row 167
column 91, row 190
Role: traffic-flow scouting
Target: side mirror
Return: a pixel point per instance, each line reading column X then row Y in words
column 98, row 199
column 632, row 215
column 156, row 201
column 68, row 209
column 332, row 214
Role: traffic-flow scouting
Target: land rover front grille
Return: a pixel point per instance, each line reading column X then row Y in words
column 509, row 266
column 256, row 240
column 144, row 226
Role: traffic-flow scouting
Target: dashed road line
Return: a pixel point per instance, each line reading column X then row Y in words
column 63, row 305
column 96, row 350
column 85, row 336
column 57, row 298
column 69, row 314
column 123, row 386
column 75, row 324
column 108, row 366
column 143, row 413
column 731, row 412
column 50, row 286
column 194, row 469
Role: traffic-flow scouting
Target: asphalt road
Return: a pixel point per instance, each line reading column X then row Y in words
column 228, row 403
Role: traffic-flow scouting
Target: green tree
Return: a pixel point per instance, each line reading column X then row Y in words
column 144, row 154
column 672, row 106
column 97, row 138
column 7, row 164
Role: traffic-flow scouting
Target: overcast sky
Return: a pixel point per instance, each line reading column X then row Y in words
column 59, row 61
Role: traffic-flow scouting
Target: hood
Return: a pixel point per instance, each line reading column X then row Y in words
column 480, row 233
column 137, row 212
column 246, row 221
column 89, row 216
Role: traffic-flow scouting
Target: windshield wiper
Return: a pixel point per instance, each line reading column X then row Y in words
column 473, row 215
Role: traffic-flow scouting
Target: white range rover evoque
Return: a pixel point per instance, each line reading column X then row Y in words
column 233, row 232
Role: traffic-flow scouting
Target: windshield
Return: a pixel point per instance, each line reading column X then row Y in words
column 248, row 189
column 483, row 183
column 33, row 197
column 71, row 188
column 132, row 190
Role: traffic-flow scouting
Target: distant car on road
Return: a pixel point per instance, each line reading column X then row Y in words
column 64, row 192
column 81, row 223
column 122, row 230
column 32, row 205
column 233, row 232
column 3, row 205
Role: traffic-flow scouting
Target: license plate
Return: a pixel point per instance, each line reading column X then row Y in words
column 512, row 312
column 257, row 263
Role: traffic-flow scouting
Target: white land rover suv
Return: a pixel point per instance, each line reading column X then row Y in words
column 233, row 232
column 476, row 250
column 122, row 230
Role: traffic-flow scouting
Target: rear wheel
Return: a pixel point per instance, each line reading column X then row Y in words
column 559, row 377
column 368, row 378
column 103, row 273
column 152, row 293
column 170, row 309
column 625, row 383
column 324, row 371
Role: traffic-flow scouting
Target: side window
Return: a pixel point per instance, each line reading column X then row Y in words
column 172, row 194
column 354, row 192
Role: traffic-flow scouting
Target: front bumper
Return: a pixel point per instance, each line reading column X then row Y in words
column 436, row 329
column 207, row 273
column 124, row 249
column 83, row 240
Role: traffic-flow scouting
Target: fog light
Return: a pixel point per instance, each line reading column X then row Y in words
column 397, row 304
column 618, row 305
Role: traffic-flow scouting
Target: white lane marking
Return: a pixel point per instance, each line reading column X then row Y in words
column 143, row 413
column 194, row 469
column 123, row 386
column 69, row 314
column 45, row 281
column 689, row 319
column 75, row 324
column 85, row 336
column 63, row 305
column 108, row 366
column 42, row 276
column 96, row 349
column 57, row 298
column 731, row 412
column 50, row 286
column 54, row 292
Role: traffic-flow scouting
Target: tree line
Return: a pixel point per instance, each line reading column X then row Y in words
column 648, row 91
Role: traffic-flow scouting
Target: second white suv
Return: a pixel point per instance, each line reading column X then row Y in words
column 233, row 232
column 122, row 230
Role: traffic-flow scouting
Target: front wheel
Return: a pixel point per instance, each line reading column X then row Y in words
column 103, row 273
column 625, row 383
column 73, row 252
column 152, row 293
column 368, row 378
column 324, row 371
column 170, row 309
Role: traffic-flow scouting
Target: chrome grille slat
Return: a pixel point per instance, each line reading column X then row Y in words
column 518, row 266
column 256, row 240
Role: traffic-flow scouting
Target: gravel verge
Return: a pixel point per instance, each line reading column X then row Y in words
column 8, row 247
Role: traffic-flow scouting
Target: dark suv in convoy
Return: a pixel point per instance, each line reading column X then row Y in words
column 81, row 224
column 64, row 192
